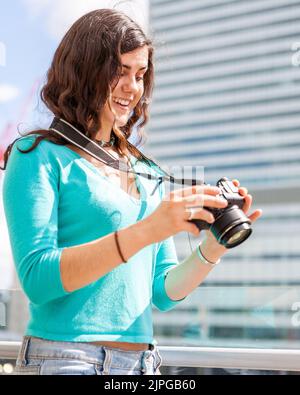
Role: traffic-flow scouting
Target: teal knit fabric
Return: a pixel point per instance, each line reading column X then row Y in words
column 54, row 198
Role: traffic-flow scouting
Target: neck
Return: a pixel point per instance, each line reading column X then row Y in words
column 110, row 143
column 104, row 133
column 100, row 136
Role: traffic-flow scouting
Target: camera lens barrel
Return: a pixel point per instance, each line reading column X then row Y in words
column 231, row 227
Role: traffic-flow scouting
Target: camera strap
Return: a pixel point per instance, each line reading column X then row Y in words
column 79, row 139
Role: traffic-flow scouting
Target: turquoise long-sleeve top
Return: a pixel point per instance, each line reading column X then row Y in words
column 53, row 199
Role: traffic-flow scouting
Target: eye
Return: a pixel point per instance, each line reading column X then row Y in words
column 141, row 78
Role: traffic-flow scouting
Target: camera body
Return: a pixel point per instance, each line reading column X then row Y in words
column 231, row 226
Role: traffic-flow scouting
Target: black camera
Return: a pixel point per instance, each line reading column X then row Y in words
column 231, row 226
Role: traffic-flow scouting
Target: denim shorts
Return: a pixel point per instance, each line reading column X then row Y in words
column 46, row 357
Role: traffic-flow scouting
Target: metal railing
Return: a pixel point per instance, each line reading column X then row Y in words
column 207, row 357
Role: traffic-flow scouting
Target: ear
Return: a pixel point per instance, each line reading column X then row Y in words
column 145, row 100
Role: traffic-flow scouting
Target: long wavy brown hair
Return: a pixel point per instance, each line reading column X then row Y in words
column 84, row 70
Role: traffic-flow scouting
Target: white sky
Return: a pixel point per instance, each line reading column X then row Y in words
column 2, row 54
column 8, row 92
column 59, row 15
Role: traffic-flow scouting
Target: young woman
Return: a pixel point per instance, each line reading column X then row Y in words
column 92, row 247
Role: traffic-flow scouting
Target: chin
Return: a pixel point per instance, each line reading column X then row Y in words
column 122, row 122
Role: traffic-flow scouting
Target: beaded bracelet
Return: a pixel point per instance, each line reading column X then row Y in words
column 118, row 247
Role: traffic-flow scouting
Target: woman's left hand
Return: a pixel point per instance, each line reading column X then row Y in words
column 248, row 202
column 210, row 245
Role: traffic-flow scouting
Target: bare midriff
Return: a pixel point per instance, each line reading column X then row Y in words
column 124, row 346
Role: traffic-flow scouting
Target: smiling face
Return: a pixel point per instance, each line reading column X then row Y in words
column 128, row 91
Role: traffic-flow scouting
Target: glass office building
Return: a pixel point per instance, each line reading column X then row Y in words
column 227, row 97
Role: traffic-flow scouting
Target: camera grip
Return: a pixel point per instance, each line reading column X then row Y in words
column 201, row 225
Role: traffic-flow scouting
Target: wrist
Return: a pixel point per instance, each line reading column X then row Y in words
column 146, row 232
column 204, row 260
column 140, row 233
column 212, row 251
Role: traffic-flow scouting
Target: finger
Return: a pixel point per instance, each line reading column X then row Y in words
column 196, row 190
column 202, row 214
column 248, row 202
column 192, row 228
column 205, row 201
column 212, row 190
column 254, row 216
column 243, row 191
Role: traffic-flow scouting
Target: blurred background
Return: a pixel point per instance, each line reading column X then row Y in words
column 227, row 98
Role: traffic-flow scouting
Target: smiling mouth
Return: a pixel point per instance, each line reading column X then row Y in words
column 122, row 102
column 121, row 107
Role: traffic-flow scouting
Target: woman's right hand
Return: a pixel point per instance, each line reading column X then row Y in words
column 173, row 214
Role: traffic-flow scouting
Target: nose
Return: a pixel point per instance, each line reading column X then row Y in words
column 131, row 85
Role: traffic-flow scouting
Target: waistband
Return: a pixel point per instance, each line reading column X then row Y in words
column 37, row 348
column 124, row 346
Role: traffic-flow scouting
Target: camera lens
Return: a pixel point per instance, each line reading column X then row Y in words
column 237, row 235
column 231, row 227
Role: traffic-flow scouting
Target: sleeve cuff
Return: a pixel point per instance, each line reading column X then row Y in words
column 165, row 302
